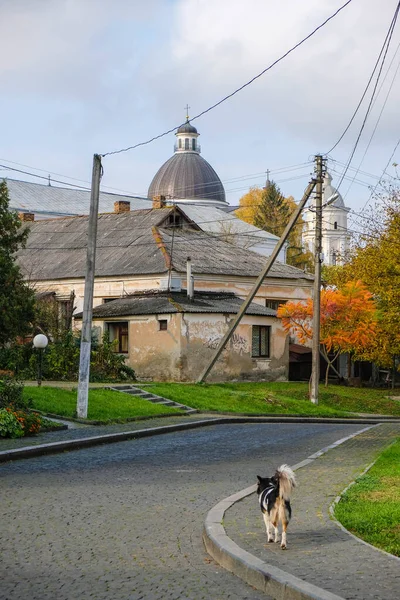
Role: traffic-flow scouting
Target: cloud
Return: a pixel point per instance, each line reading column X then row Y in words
column 220, row 45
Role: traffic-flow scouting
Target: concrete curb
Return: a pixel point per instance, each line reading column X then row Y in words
column 267, row 578
column 86, row 442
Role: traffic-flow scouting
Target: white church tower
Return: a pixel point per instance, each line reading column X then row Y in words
column 335, row 236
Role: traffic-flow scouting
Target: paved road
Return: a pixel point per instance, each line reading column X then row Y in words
column 124, row 521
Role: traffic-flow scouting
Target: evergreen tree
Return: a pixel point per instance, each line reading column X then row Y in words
column 16, row 298
column 268, row 209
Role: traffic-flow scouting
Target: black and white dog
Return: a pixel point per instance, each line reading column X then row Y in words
column 274, row 498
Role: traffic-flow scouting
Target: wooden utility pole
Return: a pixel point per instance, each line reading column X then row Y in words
column 315, row 372
column 259, row 281
column 86, row 335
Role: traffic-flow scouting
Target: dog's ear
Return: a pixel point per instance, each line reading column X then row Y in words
column 259, row 478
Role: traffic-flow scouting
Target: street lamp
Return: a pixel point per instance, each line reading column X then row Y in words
column 40, row 342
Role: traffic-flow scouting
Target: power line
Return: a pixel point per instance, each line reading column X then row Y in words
column 373, row 191
column 235, row 91
column 377, row 122
column 387, row 44
column 368, row 84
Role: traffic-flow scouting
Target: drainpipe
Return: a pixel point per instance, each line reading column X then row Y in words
column 189, row 279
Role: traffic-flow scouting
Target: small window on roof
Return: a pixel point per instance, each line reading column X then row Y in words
column 186, row 143
column 274, row 304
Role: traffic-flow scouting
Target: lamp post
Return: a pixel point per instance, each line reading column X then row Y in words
column 40, row 342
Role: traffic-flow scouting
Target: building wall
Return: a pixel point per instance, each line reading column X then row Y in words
column 115, row 287
column 182, row 351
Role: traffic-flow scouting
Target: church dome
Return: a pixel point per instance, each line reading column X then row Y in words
column 187, row 128
column 328, row 191
column 186, row 176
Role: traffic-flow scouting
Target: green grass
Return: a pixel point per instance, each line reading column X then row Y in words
column 371, row 507
column 278, row 398
column 103, row 405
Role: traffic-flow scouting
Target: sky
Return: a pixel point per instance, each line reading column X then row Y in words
column 80, row 77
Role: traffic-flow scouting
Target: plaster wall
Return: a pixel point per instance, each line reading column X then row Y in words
column 182, row 351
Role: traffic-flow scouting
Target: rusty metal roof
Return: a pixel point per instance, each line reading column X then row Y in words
column 176, row 302
column 136, row 243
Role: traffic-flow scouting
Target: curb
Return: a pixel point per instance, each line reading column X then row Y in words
column 67, row 445
column 254, row 571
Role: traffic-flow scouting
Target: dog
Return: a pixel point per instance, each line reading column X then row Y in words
column 274, row 498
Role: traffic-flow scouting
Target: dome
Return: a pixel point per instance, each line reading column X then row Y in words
column 186, row 128
column 328, row 191
column 187, row 176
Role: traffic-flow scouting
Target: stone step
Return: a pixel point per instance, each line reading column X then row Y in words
column 138, row 392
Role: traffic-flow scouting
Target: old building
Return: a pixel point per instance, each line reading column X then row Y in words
column 148, row 250
column 171, row 336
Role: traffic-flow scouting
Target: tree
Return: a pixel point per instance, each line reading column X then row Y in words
column 375, row 261
column 16, row 299
column 267, row 209
column 348, row 321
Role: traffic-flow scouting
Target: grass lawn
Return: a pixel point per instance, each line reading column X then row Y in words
column 278, row 398
column 371, row 507
column 103, row 405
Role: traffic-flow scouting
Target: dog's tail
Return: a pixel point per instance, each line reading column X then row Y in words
column 287, row 481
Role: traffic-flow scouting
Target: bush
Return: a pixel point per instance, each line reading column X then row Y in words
column 31, row 422
column 106, row 364
column 10, row 425
column 61, row 360
column 11, row 394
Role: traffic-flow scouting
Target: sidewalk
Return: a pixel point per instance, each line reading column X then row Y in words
column 319, row 551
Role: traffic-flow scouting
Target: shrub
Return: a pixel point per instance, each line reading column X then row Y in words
column 105, row 363
column 61, row 360
column 30, row 422
column 11, row 394
column 10, row 425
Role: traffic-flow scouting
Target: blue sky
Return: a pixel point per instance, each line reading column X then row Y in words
column 86, row 76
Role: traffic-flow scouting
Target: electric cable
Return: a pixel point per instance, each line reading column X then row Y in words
column 235, row 91
column 386, row 48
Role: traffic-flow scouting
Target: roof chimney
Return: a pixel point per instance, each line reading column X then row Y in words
column 121, row 206
column 26, row 216
column 159, row 202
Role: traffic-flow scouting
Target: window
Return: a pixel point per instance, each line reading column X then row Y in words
column 193, row 144
column 105, row 300
column 274, row 304
column 186, row 143
column 163, row 324
column 180, row 143
column 260, row 341
column 335, row 225
column 119, row 332
column 174, row 220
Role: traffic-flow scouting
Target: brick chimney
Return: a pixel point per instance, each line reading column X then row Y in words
column 26, row 216
column 121, row 206
column 159, row 202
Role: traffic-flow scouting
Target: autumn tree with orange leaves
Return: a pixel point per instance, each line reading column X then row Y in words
column 348, row 321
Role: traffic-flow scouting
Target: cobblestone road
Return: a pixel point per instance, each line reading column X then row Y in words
column 124, row 521
column 318, row 550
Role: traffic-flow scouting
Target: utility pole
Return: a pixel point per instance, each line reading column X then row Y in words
column 259, row 281
column 86, row 335
column 315, row 372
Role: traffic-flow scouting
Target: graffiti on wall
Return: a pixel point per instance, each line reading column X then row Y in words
column 240, row 344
